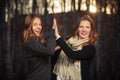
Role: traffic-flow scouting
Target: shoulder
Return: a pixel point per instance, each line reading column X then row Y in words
column 32, row 41
column 90, row 47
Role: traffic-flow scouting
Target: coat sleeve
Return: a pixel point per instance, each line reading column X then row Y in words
column 86, row 53
column 42, row 49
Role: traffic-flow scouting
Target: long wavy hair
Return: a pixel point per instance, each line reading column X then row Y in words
column 28, row 32
column 93, row 35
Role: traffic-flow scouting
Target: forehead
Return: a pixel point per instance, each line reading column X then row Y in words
column 84, row 22
column 36, row 18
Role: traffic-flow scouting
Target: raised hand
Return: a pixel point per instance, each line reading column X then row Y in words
column 56, row 28
column 54, row 23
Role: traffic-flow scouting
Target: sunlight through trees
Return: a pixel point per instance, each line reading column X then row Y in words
column 57, row 6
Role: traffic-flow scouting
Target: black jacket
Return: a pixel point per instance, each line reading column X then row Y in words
column 38, row 56
column 85, row 56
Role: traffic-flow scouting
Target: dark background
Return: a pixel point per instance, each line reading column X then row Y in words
column 106, row 65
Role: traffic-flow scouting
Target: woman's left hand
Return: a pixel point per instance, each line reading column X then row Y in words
column 56, row 28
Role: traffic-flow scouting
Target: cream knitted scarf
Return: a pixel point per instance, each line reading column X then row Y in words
column 66, row 68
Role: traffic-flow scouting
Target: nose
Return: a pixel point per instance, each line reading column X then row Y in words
column 83, row 29
column 39, row 27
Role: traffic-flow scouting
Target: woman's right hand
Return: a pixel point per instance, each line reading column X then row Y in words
column 57, row 48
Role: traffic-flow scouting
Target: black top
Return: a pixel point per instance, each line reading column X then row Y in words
column 85, row 56
column 38, row 56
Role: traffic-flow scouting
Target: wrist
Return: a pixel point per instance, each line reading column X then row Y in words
column 57, row 37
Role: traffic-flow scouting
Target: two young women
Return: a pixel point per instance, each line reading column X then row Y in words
column 76, row 52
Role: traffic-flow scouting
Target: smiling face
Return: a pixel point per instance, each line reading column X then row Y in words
column 36, row 26
column 84, row 29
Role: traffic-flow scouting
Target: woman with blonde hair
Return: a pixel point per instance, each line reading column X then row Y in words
column 77, row 52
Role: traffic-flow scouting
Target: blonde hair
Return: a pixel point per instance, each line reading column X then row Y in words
column 93, row 35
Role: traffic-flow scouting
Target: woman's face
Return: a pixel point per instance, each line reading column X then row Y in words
column 84, row 29
column 36, row 26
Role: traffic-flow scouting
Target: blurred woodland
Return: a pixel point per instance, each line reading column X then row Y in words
column 106, row 14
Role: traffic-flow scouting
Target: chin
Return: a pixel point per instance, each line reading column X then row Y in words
column 36, row 35
column 83, row 37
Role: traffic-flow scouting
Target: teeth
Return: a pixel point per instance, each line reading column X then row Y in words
column 84, row 33
column 37, row 31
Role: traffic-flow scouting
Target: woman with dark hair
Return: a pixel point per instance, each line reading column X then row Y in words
column 37, row 48
column 77, row 52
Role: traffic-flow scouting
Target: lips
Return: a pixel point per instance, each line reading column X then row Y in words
column 84, row 33
column 38, row 31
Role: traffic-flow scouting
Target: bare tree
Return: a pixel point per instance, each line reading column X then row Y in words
column 79, row 4
column 73, row 5
column 2, row 39
column 99, row 41
column 118, row 42
column 34, row 6
column 88, row 5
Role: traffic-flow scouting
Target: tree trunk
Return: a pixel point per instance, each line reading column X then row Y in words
column 118, row 42
column 99, row 41
column 3, row 49
column 34, row 6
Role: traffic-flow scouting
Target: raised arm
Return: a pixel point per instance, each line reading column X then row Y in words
column 86, row 53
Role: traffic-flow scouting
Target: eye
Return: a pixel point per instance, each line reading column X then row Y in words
column 87, row 26
column 35, row 24
column 40, row 24
column 80, row 26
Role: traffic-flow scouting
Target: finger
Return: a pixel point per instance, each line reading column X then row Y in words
column 54, row 23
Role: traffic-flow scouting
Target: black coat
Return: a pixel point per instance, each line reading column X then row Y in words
column 38, row 56
column 35, row 63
